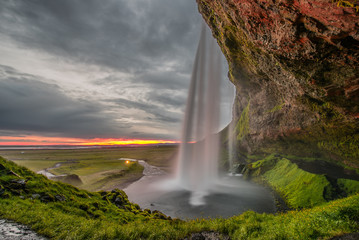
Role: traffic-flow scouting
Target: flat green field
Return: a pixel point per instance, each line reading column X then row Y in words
column 98, row 169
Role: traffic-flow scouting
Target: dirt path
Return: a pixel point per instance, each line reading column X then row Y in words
column 14, row 231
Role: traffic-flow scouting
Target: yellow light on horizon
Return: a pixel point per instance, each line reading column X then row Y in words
column 43, row 140
column 127, row 162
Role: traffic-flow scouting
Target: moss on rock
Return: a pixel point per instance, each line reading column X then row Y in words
column 299, row 188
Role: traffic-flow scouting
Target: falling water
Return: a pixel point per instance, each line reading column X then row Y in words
column 197, row 171
column 231, row 146
column 199, row 150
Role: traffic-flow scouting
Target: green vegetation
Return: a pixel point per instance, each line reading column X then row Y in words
column 276, row 108
column 349, row 186
column 98, row 169
column 346, row 146
column 242, row 126
column 61, row 211
column 300, row 189
column 348, row 4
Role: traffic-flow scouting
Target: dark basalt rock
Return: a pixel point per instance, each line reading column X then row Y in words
column 60, row 198
column 2, row 167
column 35, row 196
column 2, row 190
column 208, row 235
column 349, row 236
column 47, row 198
column 295, row 65
column 17, row 184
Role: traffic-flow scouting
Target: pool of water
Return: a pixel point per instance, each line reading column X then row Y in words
column 230, row 196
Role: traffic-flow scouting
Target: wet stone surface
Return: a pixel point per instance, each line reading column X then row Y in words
column 14, row 231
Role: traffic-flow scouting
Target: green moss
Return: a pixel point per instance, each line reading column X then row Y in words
column 299, row 188
column 242, row 126
column 349, row 186
column 348, row 4
column 276, row 108
column 346, row 146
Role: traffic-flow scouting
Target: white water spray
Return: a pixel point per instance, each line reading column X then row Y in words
column 231, row 147
column 198, row 158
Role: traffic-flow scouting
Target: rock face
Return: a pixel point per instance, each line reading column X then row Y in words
column 295, row 65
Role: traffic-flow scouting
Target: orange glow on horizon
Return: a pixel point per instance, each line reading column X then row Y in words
column 45, row 141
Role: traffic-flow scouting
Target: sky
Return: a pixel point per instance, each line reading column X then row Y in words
column 79, row 71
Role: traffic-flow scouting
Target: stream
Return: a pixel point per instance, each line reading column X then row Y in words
column 46, row 172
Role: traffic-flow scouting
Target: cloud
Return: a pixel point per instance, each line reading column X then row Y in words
column 149, row 111
column 119, row 34
column 31, row 105
column 89, row 68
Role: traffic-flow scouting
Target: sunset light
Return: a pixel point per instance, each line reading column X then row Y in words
column 46, row 141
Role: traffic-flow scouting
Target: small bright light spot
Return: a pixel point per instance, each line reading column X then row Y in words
column 127, row 162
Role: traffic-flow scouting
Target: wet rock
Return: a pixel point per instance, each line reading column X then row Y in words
column 2, row 167
column 35, row 196
column 210, row 235
column 349, row 236
column 17, row 184
column 47, row 198
column 238, row 168
column 13, row 231
column 119, row 201
column 60, row 198
column 2, row 190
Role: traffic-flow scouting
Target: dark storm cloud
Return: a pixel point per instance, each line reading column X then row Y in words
column 121, row 34
column 142, row 52
column 151, row 79
column 165, row 80
column 30, row 105
column 152, row 111
column 167, row 99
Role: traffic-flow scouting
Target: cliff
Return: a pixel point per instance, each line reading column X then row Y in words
column 295, row 67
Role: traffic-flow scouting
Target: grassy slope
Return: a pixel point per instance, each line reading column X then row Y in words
column 299, row 188
column 85, row 215
column 99, row 169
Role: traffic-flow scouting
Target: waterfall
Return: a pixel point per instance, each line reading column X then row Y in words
column 198, row 156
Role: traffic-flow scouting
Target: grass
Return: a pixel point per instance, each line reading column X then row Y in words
column 109, row 215
column 300, row 189
column 98, row 169
column 276, row 108
column 154, row 155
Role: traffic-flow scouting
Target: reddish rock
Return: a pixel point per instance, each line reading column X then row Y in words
column 304, row 53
